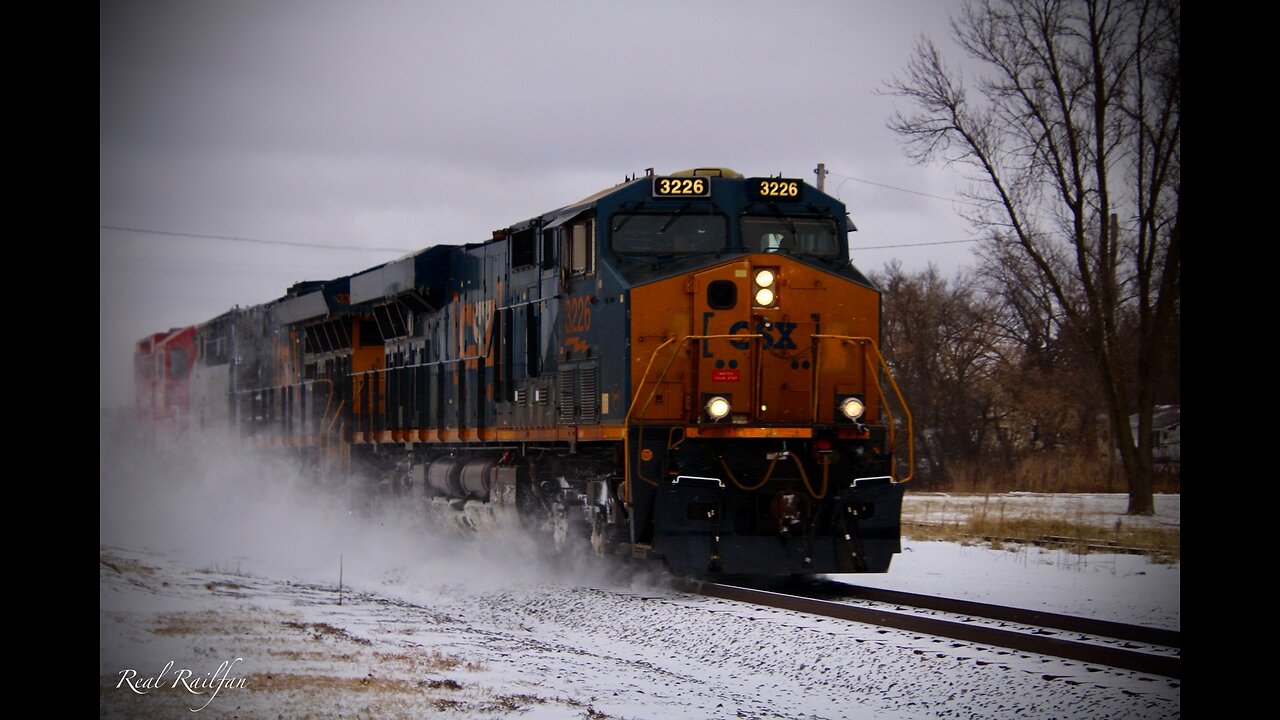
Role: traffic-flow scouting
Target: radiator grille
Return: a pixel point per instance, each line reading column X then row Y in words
column 589, row 397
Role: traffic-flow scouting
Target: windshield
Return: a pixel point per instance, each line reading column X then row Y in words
column 799, row 235
column 668, row 233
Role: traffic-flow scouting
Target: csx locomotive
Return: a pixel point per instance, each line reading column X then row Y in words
column 682, row 367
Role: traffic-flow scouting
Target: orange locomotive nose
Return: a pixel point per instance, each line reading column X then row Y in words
column 759, row 330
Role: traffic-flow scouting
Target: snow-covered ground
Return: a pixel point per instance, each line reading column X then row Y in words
column 1124, row 588
column 1104, row 510
column 230, row 571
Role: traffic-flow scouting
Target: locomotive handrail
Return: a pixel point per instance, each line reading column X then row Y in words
column 665, row 370
column 358, row 415
column 626, row 421
column 283, row 385
column 320, row 433
column 868, row 345
column 884, row 366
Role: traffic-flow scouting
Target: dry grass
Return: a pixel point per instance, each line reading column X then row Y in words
column 997, row 522
column 207, row 623
column 1163, row 545
column 518, row 701
column 319, row 631
column 1048, row 472
column 285, row 682
column 217, row 585
column 125, row 566
column 310, row 655
column 442, row 695
column 434, row 661
column 446, row 684
column 1060, row 472
column 325, row 695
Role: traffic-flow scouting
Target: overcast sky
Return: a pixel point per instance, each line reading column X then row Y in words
column 392, row 126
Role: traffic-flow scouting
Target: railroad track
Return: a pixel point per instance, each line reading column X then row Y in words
column 1044, row 633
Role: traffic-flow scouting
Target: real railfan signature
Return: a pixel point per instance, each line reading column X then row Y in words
column 208, row 683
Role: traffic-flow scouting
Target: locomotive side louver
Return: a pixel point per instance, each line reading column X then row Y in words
column 565, row 397
column 589, row 400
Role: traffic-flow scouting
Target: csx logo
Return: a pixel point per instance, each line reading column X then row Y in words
column 766, row 330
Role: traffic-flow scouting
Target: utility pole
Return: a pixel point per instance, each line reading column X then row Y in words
column 821, row 170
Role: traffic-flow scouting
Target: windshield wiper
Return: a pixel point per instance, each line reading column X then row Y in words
column 634, row 211
column 673, row 218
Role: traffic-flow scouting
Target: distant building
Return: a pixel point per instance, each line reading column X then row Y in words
column 1166, row 429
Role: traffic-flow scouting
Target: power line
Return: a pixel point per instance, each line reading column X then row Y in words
column 402, row 250
column 941, row 242
column 193, row 271
column 252, row 240
column 906, row 190
column 180, row 266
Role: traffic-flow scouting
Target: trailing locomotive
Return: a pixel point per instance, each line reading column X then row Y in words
column 161, row 369
column 682, row 367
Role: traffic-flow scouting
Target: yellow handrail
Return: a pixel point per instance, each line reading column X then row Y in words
column 626, row 421
column 906, row 411
column 869, row 347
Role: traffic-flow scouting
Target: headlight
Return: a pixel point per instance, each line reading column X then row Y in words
column 765, row 294
column 852, row 407
column 717, row 408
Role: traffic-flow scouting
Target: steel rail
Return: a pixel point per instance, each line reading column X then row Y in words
column 1033, row 643
column 1073, row 623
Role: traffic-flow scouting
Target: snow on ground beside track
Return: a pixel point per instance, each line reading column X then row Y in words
column 1123, row 588
column 1105, row 510
column 211, row 558
column 405, row 645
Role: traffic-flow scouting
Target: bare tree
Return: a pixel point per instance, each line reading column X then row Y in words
column 1047, row 374
column 942, row 348
column 1075, row 140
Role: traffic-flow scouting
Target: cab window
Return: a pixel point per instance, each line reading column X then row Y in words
column 798, row 235
column 668, row 233
column 579, row 240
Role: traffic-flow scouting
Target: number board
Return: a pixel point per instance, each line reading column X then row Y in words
column 775, row 188
column 681, row 187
